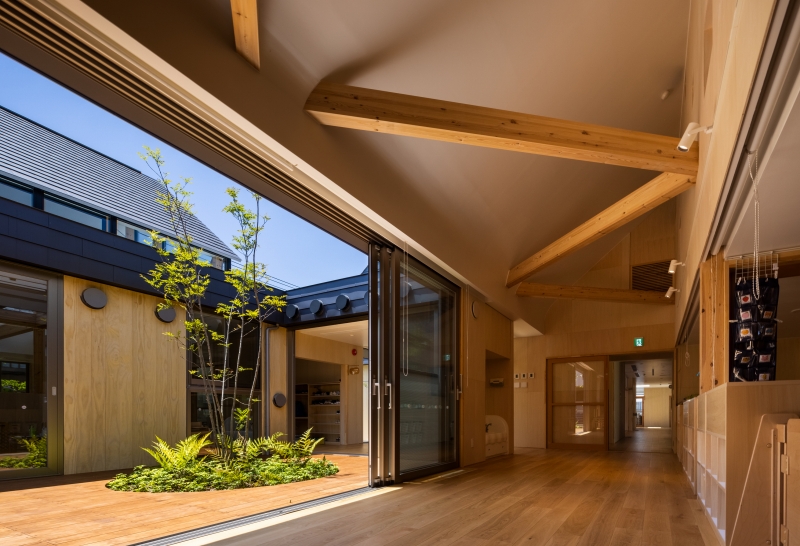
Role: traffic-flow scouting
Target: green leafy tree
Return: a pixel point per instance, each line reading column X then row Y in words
column 181, row 279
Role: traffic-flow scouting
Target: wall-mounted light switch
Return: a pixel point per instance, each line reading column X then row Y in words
column 524, row 384
column 516, row 384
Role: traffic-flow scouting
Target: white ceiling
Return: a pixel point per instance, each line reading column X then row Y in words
column 479, row 211
column 352, row 333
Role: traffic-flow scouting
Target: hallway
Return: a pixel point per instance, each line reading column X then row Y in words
column 646, row 440
column 537, row 497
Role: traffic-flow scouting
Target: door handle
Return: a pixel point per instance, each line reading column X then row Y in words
column 375, row 391
column 389, row 388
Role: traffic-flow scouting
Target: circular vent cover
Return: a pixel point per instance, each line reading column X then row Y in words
column 165, row 315
column 94, row 298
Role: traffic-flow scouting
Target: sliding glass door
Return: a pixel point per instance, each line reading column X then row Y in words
column 427, row 371
column 413, row 369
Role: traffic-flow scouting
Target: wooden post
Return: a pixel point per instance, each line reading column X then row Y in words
column 713, row 322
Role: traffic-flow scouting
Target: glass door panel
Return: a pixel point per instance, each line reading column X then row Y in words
column 427, row 369
column 27, row 443
column 577, row 403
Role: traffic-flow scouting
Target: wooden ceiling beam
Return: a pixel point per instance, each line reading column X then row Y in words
column 535, row 290
column 659, row 190
column 393, row 113
column 245, row 30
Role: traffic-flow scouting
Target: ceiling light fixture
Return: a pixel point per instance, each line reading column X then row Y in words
column 690, row 135
column 671, row 290
column 673, row 266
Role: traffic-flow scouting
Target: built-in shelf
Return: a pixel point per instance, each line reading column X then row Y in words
column 319, row 419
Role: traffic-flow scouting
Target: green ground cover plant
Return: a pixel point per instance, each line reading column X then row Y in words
column 241, row 464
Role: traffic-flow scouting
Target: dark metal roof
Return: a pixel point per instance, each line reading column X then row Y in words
column 37, row 156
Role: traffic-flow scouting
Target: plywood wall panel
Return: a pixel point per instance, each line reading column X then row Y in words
column 718, row 99
column 653, row 240
column 124, row 381
column 529, row 402
column 499, row 333
column 473, row 397
column 278, row 380
column 656, row 407
column 579, row 328
column 788, row 358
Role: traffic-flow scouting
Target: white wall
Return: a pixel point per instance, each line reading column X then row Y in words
column 656, row 406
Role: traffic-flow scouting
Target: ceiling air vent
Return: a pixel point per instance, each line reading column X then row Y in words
column 651, row 277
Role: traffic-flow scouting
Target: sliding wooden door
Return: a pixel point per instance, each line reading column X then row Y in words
column 577, row 403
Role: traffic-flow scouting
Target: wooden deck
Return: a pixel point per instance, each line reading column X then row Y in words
column 78, row 509
column 538, row 498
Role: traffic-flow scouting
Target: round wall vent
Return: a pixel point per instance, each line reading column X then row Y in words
column 342, row 302
column 279, row 399
column 291, row 311
column 94, row 298
column 476, row 309
column 165, row 315
column 316, row 306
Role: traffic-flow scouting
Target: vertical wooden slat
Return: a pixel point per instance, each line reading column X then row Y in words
column 706, row 314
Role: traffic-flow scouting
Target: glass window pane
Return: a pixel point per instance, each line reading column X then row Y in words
column 579, row 424
column 59, row 208
column 134, row 233
column 428, row 365
column 16, row 193
column 575, row 382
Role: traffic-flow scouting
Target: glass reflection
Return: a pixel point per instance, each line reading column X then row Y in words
column 23, row 370
column 427, row 356
column 578, row 403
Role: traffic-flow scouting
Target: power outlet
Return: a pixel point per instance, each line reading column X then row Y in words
column 524, row 375
column 516, row 376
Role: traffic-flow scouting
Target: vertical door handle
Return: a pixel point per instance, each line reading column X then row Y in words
column 389, row 389
column 375, row 391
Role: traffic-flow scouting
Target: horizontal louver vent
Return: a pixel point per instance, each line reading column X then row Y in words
column 651, row 277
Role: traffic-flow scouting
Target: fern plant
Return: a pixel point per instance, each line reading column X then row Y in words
column 178, row 458
column 300, row 450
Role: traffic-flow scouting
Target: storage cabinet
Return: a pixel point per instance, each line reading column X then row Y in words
column 718, row 431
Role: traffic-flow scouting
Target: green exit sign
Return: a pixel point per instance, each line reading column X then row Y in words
column 638, row 342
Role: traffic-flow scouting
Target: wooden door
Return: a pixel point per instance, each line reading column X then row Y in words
column 577, row 403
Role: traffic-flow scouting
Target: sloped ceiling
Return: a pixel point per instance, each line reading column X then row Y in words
column 478, row 210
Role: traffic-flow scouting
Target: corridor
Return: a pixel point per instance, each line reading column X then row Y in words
column 537, row 497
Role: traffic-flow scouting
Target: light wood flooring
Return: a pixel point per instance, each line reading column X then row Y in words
column 78, row 509
column 646, row 440
column 540, row 498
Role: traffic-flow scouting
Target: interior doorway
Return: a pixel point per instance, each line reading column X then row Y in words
column 640, row 403
column 328, row 386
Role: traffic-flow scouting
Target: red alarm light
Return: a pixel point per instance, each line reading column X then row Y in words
column 355, row 352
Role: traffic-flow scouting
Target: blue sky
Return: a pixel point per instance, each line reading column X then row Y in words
column 295, row 251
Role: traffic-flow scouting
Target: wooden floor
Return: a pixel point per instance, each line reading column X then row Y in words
column 71, row 510
column 539, row 498
column 646, row 440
